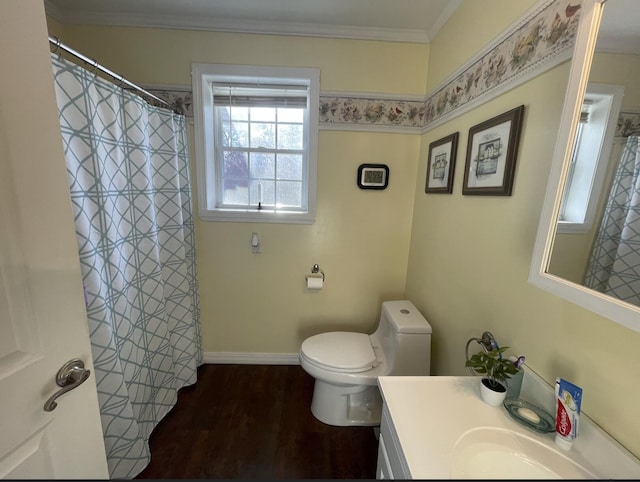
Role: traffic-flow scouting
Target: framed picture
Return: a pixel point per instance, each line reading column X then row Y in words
column 491, row 154
column 441, row 164
column 373, row 176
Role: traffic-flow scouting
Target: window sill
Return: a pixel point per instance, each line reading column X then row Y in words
column 567, row 227
column 263, row 216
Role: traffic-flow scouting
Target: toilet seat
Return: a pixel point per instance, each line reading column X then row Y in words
column 340, row 351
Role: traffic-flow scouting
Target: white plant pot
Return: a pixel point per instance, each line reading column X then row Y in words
column 490, row 396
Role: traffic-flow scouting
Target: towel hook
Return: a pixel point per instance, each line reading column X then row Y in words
column 487, row 343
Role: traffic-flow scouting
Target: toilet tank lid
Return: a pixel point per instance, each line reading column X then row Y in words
column 405, row 317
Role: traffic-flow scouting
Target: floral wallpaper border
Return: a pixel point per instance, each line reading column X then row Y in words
column 628, row 123
column 179, row 98
column 529, row 48
column 542, row 39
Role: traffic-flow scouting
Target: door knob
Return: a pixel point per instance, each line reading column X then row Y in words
column 71, row 375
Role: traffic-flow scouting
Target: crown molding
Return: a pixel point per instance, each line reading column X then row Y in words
column 475, row 83
column 451, row 7
column 231, row 25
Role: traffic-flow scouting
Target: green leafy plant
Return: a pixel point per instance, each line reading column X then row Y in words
column 493, row 365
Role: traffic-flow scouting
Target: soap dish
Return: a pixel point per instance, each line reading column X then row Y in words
column 525, row 414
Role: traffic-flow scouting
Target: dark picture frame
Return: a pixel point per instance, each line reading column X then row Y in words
column 441, row 165
column 373, row 176
column 492, row 149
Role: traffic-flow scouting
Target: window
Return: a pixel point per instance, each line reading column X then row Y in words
column 256, row 134
column 590, row 158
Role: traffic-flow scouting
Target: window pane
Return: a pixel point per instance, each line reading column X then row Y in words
column 289, row 193
column 290, row 136
column 264, row 114
column 262, row 189
column 263, row 135
column 234, row 178
column 239, row 113
column 262, row 165
column 222, row 116
column 235, row 165
column 290, row 167
column 291, row 115
column 235, row 192
column 238, row 136
column 235, row 131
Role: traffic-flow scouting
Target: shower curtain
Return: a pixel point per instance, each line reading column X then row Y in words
column 128, row 173
column 614, row 267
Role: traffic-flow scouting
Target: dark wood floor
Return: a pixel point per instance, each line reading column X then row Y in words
column 247, row 421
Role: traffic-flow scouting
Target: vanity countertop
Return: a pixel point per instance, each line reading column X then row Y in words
column 429, row 414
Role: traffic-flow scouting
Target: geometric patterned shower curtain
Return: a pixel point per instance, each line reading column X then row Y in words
column 128, row 172
column 614, row 267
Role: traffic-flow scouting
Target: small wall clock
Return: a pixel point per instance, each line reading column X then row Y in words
column 373, row 176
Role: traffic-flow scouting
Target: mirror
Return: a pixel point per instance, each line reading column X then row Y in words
column 563, row 249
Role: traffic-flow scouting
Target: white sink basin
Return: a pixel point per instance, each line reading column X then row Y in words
column 439, row 428
column 497, row 453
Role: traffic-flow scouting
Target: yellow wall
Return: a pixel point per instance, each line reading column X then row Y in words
column 257, row 303
column 470, row 255
column 618, row 69
column 164, row 56
column 467, row 263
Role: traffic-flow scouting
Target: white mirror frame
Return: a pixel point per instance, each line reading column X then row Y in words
column 619, row 311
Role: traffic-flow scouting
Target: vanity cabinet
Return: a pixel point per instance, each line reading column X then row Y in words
column 391, row 461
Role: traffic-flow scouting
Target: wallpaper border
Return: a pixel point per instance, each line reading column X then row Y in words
column 540, row 40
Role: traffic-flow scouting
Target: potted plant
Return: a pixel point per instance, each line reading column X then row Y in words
column 496, row 370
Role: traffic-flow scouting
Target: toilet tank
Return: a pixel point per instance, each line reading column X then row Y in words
column 405, row 337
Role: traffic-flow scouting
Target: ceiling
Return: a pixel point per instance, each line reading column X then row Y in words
column 391, row 20
column 620, row 28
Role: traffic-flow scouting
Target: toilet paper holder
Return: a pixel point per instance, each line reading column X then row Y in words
column 316, row 269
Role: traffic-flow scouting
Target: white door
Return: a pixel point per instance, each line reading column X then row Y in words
column 42, row 318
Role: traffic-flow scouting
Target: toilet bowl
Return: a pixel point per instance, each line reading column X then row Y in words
column 346, row 365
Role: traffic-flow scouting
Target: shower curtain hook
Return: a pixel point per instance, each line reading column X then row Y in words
column 57, row 49
column 95, row 68
column 121, row 82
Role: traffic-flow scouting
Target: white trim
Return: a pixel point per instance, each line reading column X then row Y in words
column 233, row 358
column 390, row 129
column 615, row 93
column 263, row 216
column 202, row 75
column 621, row 312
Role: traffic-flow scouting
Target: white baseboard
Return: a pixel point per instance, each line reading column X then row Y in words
column 250, row 358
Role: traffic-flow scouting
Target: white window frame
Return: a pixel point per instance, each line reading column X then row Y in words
column 600, row 142
column 202, row 77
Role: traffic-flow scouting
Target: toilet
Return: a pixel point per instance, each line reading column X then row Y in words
column 346, row 365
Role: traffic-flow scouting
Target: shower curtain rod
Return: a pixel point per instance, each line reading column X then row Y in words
column 59, row 45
